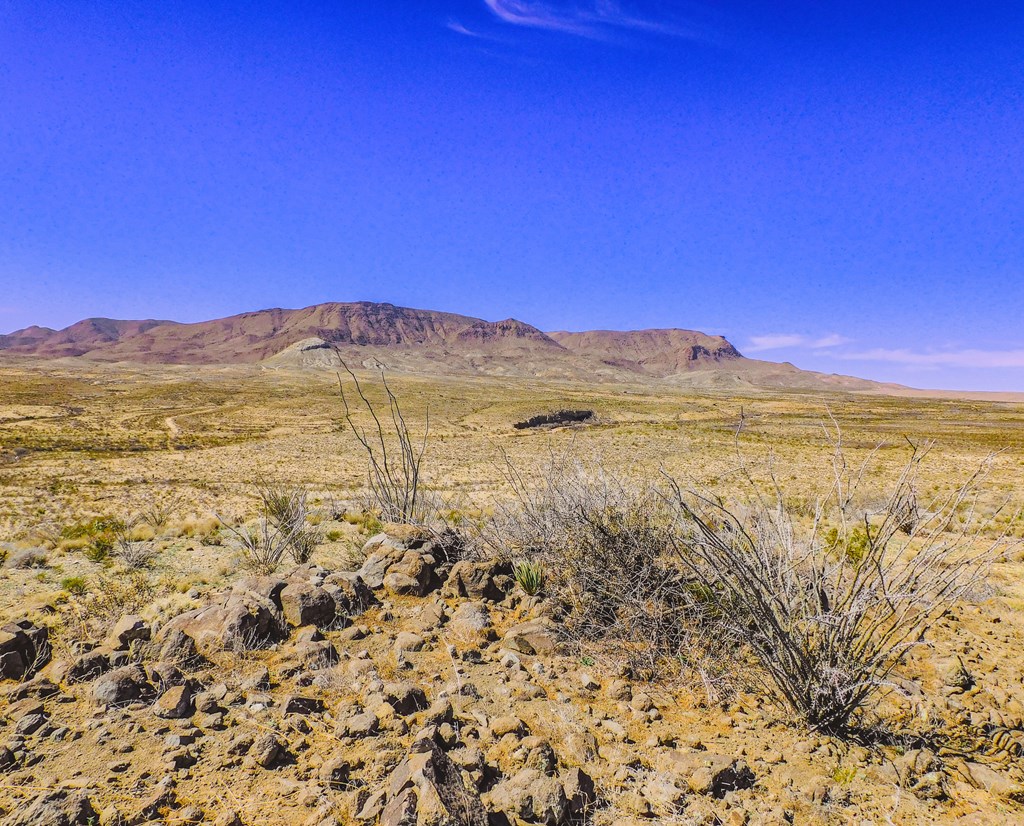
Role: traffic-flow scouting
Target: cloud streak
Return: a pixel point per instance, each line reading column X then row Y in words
column 781, row 341
column 593, row 20
column 972, row 358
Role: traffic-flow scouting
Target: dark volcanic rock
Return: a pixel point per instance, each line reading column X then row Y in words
column 24, row 648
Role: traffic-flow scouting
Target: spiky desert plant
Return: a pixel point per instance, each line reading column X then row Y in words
column 529, row 575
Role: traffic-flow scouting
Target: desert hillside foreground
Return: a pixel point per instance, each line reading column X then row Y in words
column 399, row 675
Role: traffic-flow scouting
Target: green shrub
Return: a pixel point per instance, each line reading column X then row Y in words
column 530, row 576
column 98, row 550
column 74, row 585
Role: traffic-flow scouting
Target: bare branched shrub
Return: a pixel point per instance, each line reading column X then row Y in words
column 133, row 552
column 606, row 547
column 830, row 605
column 393, row 456
column 158, row 512
column 287, row 509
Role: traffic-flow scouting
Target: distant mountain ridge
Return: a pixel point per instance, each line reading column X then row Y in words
column 427, row 341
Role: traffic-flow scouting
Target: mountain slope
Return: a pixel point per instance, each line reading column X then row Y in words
column 658, row 353
column 367, row 334
column 252, row 337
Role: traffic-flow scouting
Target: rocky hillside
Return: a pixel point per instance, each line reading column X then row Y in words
column 364, row 330
column 424, row 341
column 659, row 353
column 423, row 689
column 245, row 338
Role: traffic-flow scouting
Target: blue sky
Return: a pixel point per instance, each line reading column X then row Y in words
column 838, row 184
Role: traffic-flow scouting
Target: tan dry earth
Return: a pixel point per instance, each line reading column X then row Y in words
column 334, row 724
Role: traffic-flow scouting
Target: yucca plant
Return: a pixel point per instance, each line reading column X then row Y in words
column 530, row 576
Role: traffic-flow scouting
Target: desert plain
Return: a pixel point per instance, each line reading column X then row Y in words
column 414, row 694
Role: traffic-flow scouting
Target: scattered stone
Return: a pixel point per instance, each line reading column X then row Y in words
column 361, row 725
column 410, row 576
column 165, row 675
column 294, row 704
column 266, row 750
column 305, row 604
column 129, row 629
column 427, row 787
column 476, row 580
column 407, row 641
column 507, row 724
column 995, row 783
column 336, row 773
column 122, row 686
column 532, row 637
column 177, row 647
column 706, row 773
column 405, row 698
column 244, row 620
column 175, row 703
column 471, row 621
column 531, row 796
column 258, row 680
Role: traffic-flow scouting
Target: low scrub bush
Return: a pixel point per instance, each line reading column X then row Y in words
column 129, row 546
column 605, row 545
column 831, row 605
column 74, row 585
column 281, row 528
column 93, row 608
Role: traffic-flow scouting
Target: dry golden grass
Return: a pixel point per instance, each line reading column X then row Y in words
column 80, row 441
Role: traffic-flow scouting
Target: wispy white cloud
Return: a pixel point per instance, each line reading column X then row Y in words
column 460, row 28
column 777, row 341
column 974, row 358
column 594, row 19
column 833, row 340
column 781, row 341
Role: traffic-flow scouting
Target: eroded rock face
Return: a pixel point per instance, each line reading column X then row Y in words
column 243, row 620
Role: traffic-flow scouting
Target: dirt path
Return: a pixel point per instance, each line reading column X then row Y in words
column 172, row 426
